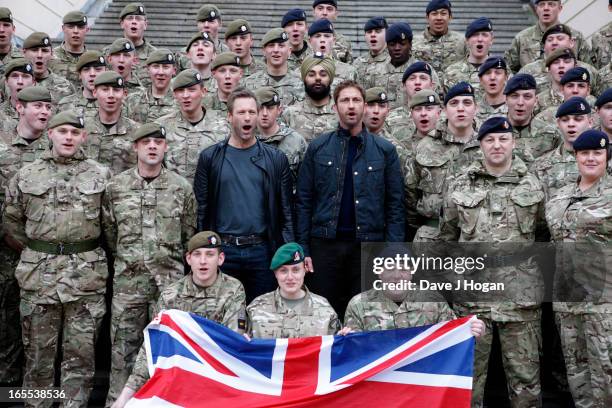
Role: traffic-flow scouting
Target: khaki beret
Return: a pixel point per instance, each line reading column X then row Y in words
column 6, row 15
column 376, row 94
column 18, row 64
column 267, row 96
column 121, row 45
column 110, row 78
column 559, row 53
column 149, row 130
column 226, row 58
column 186, row 78
column 90, row 59
column 288, row 254
column 275, row 35
column 237, row 27
column 67, row 118
column 34, row 94
column 425, row 97
column 204, row 239
column 161, row 56
column 198, row 37
column 208, row 12
column 75, row 17
column 132, row 9
column 37, row 40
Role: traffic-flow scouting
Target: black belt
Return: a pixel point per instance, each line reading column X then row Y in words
column 242, row 240
column 63, row 248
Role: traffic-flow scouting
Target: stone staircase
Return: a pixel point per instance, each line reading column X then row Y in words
column 171, row 23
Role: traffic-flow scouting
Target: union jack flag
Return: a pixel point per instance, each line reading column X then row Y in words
column 194, row 362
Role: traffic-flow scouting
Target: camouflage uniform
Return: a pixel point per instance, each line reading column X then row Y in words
column 440, row 52
column 143, row 107
column 255, row 66
column 389, row 77
column 527, row 47
column 548, row 114
column 57, row 200
column 485, row 111
column 605, row 76
column 291, row 143
column 212, row 103
column 402, row 125
column 77, row 102
column 147, row 227
column 309, row 120
column 223, row 302
column 462, row 71
column 12, row 54
column 535, row 140
column 602, row 46
column 8, row 112
column 295, row 61
column 365, row 65
column 57, row 85
column 480, row 207
column 269, row 317
column 342, row 48
column 539, row 71
column 186, row 141
column 111, row 147
column 64, row 65
column 555, row 169
column 290, row 88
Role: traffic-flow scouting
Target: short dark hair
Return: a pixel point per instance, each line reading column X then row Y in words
column 348, row 84
column 240, row 93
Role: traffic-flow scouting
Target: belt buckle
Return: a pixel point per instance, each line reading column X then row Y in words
column 237, row 241
column 61, row 248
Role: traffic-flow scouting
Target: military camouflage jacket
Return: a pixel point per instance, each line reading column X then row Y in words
column 440, row 52
column 295, row 61
column 401, row 125
column 555, row 170
column 290, row 88
column 309, row 120
column 389, row 77
column 143, row 107
column 538, row 70
column 461, row 71
column 485, row 111
column 270, row 318
column 606, row 76
column 212, row 103
column 366, row 64
column 58, row 199
column 12, row 54
column 64, row 65
column 78, row 103
column 554, row 101
column 535, row 140
column 602, row 46
column 58, row 86
column 291, row 143
column 342, row 48
column 256, row 65
column 8, row 112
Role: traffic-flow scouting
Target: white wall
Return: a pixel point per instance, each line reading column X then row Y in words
column 587, row 16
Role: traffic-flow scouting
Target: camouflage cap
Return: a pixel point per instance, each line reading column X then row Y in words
column 318, row 58
column 67, row 118
column 275, row 35
column 75, row 17
column 426, row 97
column 267, row 96
column 237, row 27
column 34, row 94
column 204, row 239
column 208, row 12
column 591, row 140
column 18, row 64
column 559, row 53
column 225, row 58
column 376, row 94
column 151, row 129
column 136, row 9
column 37, row 40
column 110, row 78
column 6, row 15
column 121, row 45
column 90, row 59
column 161, row 56
column 200, row 36
column 186, row 78
column 288, row 254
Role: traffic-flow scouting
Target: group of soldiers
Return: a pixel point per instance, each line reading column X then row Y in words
column 99, row 152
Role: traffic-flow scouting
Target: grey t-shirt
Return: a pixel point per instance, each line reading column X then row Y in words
column 241, row 195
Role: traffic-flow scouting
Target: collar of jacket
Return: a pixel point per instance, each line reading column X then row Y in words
column 343, row 133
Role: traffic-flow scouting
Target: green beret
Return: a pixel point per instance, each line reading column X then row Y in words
column 288, row 254
column 267, row 96
column 376, row 94
column 275, row 35
column 121, row 45
column 18, row 64
column 136, row 9
column 149, row 130
column 90, row 59
column 75, row 17
column 6, row 15
column 186, row 78
column 318, row 59
column 225, row 58
column 198, row 37
column 204, row 239
column 37, row 40
column 559, row 53
column 34, row 94
column 67, row 118
column 161, row 56
column 426, row 97
column 208, row 12
column 237, row 27
column 109, row 78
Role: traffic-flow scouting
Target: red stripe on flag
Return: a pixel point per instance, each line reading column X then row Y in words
column 301, row 368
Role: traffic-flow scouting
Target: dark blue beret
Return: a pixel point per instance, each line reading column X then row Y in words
column 520, row 82
column 321, row 26
column 591, row 139
column 398, row 32
column 480, row 24
column 296, row 14
column 490, row 63
column 496, row 124
column 573, row 106
column 375, row 22
column 418, row 66
column 604, row 98
column 315, row 3
column 576, row 74
column 438, row 4
column 460, row 89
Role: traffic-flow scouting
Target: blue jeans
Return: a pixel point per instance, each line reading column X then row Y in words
column 250, row 264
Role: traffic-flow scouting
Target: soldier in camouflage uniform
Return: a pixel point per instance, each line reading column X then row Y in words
column 151, row 216
column 314, row 115
column 200, row 53
column 497, row 200
column 605, row 74
column 604, row 112
column 437, row 44
column 291, row 310
column 239, row 39
column 425, row 113
column 18, row 147
column 274, row 132
column 7, row 29
column 557, row 64
column 602, row 44
column 156, row 100
column 227, row 72
column 527, row 45
column 328, row 9
column 37, row 49
column 66, row 55
column 18, row 75
column 109, row 130
column 375, row 30
column 580, row 213
column 90, row 65
column 493, row 74
column 276, row 73
column 192, row 128
column 294, row 24
column 206, row 291
column 121, row 55
column 209, row 21
column 53, row 210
